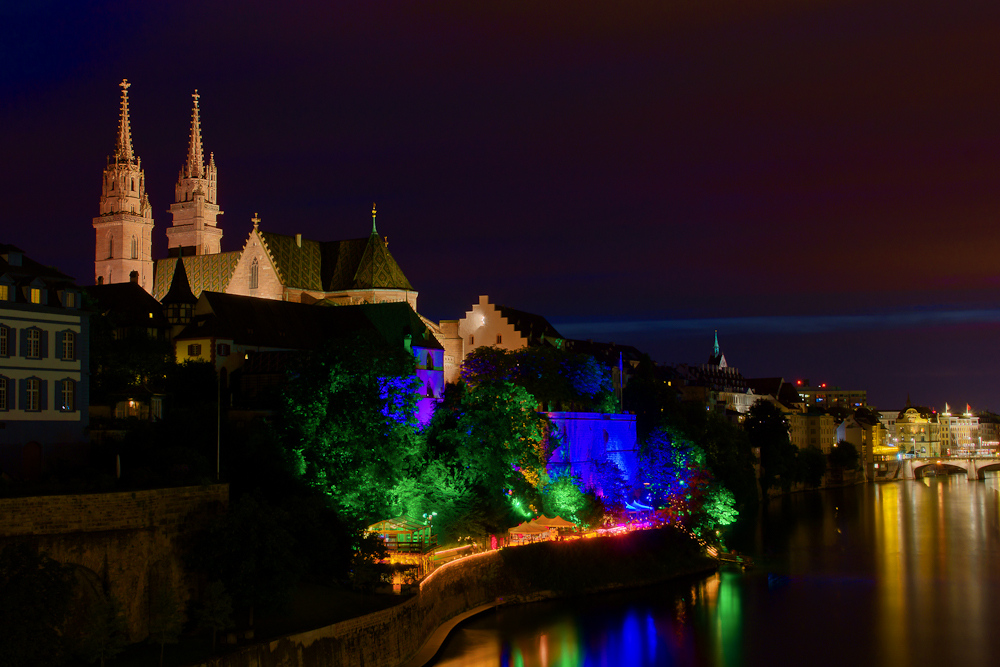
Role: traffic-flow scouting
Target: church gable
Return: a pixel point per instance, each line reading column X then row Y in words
column 256, row 273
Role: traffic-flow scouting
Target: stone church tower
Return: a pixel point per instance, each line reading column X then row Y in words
column 124, row 229
column 195, row 229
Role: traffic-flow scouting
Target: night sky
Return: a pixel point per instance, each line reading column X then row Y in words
column 819, row 181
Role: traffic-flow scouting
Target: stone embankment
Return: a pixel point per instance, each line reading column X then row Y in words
column 409, row 633
column 129, row 541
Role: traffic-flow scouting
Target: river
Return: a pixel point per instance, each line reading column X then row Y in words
column 892, row 574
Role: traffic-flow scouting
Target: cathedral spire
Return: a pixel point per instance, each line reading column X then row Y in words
column 196, row 156
column 716, row 350
column 123, row 150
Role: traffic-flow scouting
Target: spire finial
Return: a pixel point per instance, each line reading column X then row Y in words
column 123, row 151
column 255, row 219
column 196, row 157
column 374, row 231
column 716, row 342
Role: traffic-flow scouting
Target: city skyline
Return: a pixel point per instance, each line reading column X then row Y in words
column 817, row 182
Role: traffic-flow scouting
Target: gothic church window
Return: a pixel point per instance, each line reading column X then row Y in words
column 254, row 270
column 111, row 248
column 135, row 248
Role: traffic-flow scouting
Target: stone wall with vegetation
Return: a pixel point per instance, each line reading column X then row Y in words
column 389, row 637
column 127, row 542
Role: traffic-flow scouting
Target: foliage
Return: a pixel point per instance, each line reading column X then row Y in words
column 216, row 610
column 680, row 485
column 610, row 486
column 250, row 551
column 106, row 633
column 844, row 455
column 35, row 592
column 563, row 497
column 348, row 423
column 558, row 380
column 485, row 451
column 811, row 466
column 720, row 507
column 366, row 566
column 166, row 618
column 767, row 430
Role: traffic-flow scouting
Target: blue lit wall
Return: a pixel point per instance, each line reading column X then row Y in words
column 430, row 373
column 584, row 437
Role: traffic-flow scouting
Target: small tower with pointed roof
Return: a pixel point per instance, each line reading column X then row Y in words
column 124, row 228
column 195, row 229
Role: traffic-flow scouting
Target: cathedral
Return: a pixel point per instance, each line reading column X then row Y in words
column 269, row 265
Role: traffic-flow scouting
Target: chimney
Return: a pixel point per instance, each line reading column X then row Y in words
column 134, row 277
column 298, row 240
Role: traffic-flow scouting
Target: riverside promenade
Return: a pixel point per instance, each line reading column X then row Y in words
column 409, row 634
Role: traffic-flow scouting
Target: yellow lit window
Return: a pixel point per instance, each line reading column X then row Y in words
column 3, row 293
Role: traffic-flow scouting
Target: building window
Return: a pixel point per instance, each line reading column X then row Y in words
column 33, row 395
column 68, row 346
column 4, row 293
column 70, row 300
column 36, row 295
column 472, row 339
column 135, row 248
column 222, row 349
column 4, row 382
column 68, row 395
column 33, row 340
column 194, row 350
column 499, row 339
column 254, row 270
column 111, row 249
column 5, row 337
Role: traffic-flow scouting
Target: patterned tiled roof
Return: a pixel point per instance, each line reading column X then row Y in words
column 377, row 268
column 206, row 273
column 298, row 265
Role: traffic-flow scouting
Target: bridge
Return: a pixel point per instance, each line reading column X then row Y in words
column 975, row 467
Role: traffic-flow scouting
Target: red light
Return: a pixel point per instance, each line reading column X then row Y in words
column 798, row 382
column 823, row 385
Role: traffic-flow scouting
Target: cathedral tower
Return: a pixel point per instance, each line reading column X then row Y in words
column 125, row 226
column 195, row 229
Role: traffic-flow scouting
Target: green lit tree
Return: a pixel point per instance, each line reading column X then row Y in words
column 348, row 424
column 35, row 593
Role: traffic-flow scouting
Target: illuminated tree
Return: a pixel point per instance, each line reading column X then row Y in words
column 348, row 423
column 558, row 380
column 486, row 449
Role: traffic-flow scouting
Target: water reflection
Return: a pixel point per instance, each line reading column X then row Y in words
column 894, row 574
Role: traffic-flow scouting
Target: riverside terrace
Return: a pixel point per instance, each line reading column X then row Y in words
column 413, row 554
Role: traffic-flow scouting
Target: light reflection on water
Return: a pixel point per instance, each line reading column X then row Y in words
column 896, row 574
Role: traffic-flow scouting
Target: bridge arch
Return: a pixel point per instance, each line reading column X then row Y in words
column 989, row 467
column 919, row 472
